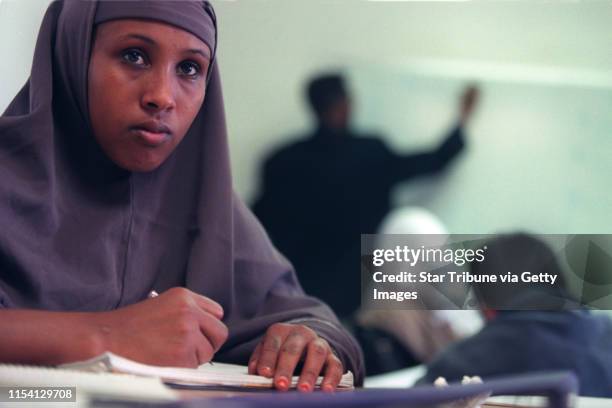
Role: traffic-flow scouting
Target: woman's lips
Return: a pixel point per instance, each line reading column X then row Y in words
column 150, row 138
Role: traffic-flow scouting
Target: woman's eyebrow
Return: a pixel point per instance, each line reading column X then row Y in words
column 199, row 51
column 140, row 37
column 149, row 40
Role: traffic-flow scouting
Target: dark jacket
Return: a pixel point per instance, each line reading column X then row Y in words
column 321, row 193
column 528, row 341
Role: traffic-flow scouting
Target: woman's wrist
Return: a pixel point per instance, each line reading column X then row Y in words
column 70, row 337
column 49, row 338
column 93, row 341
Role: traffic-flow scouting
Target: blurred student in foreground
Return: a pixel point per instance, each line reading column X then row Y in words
column 393, row 339
column 530, row 327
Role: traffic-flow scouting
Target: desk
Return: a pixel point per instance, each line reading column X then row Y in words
column 197, row 399
column 149, row 391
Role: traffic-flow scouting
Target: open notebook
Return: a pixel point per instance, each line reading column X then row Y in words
column 213, row 375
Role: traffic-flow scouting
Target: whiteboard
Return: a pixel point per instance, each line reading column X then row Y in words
column 539, row 149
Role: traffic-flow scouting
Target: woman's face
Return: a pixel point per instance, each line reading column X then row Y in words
column 146, row 85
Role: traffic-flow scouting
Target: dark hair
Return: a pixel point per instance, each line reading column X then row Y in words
column 322, row 91
column 518, row 253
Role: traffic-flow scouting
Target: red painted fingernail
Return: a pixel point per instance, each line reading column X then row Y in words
column 282, row 383
column 266, row 371
column 304, row 387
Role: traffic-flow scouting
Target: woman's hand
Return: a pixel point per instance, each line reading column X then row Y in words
column 177, row 328
column 284, row 346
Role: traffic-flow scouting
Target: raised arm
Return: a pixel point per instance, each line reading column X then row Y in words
column 406, row 166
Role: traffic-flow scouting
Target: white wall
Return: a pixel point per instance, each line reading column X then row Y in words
column 545, row 68
column 538, row 155
column 19, row 23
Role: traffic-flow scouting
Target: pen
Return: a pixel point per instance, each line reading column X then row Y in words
column 153, row 294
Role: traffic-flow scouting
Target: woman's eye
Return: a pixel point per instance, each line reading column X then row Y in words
column 189, row 68
column 134, row 57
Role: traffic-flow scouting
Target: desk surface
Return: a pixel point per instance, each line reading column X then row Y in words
column 493, row 402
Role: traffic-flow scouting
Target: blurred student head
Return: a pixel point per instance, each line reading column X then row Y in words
column 519, row 253
column 329, row 101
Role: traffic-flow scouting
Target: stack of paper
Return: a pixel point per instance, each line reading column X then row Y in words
column 107, row 385
column 213, row 375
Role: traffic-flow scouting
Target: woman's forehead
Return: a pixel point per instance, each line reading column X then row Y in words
column 194, row 17
column 151, row 32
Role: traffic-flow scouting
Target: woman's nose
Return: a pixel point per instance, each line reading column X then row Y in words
column 159, row 92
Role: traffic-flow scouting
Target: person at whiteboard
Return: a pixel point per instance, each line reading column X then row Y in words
column 116, row 184
column 530, row 326
column 320, row 193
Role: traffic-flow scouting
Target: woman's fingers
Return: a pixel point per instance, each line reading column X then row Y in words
column 281, row 350
column 269, row 351
column 209, row 305
column 333, row 373
column 213, row 329
column 204, row 351
column 289, row 357
column 206, row 304
column 254, row 359
column 185, row 296
column 316, row 357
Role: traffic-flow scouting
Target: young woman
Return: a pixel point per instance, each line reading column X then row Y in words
column 116, row 183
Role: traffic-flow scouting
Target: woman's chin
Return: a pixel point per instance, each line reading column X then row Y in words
column 141, row 164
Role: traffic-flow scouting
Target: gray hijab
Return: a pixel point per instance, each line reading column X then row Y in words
column 80, row 234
